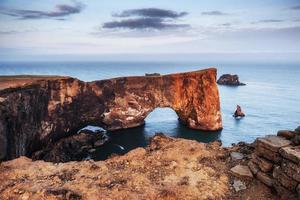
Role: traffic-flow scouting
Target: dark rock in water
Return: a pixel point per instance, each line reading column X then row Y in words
column 152, row 74
column 76, row 147
column 37, row 110
column 230, row 80
column 238, row 112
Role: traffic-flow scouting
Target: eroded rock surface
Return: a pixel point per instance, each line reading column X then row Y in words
column 276, row 163
column 37, row 110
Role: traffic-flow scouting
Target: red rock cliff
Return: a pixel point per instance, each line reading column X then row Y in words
column 36, row 110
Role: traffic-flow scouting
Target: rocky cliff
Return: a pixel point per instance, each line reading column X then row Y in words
column 37, row 110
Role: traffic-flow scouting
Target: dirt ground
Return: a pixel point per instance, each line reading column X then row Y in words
column 167, row 169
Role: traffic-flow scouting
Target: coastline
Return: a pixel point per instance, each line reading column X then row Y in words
column 167, row 168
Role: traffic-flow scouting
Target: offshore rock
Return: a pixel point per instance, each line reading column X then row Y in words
column 238, row 112
column 230, row 80
column 35, row 111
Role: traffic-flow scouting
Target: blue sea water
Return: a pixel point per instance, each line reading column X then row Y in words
column 270, row 100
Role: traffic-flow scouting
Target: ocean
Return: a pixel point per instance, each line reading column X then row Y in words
column 270, row 100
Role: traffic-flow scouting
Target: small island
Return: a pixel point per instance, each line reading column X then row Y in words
column 230, row 80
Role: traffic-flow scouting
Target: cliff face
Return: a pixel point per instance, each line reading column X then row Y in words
column 37, row 110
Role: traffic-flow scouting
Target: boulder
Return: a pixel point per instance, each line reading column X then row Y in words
column 286, row 134
column 230, row 80
column 272, row 142
column 291, row 169
column 291, row 153
column 261, row 151
column 262, row 163
column 284, row 179
column 265, row 178
column 253, row 167
column 283, row 192
column 241, row 171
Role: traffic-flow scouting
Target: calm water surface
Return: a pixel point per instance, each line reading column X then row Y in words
column 271, row 99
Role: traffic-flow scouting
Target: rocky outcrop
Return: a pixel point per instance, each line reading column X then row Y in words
column 276, row 163
column 37, row 110
column 238, row 112
column 167, row 169
column 230, row 80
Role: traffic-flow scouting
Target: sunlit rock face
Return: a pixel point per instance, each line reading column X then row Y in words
column 37, row 110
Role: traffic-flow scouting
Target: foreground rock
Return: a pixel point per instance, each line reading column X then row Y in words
column 34, row 111
column 167, row 169
column 241, row 171
column 276, row 163
column 230, row 80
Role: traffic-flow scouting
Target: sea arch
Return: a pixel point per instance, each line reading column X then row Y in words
column 36, row 110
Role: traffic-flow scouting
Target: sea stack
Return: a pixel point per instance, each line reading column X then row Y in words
column 230, row 80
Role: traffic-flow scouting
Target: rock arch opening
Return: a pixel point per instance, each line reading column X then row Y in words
column 163, row 120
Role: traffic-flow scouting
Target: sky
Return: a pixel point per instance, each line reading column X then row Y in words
column 89, row 29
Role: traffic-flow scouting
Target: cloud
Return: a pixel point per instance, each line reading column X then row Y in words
column 151, row 12
column 146, row 19
column 226, row 24
column 7, row 32
column 61, row 10
column 143, row 23
column 257, row 34
column 268, row 21
column 297, row 7
column 214, row 12
column 11, row 32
